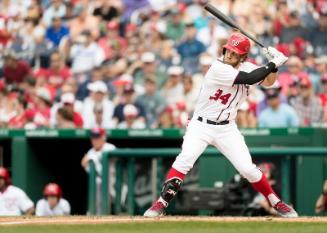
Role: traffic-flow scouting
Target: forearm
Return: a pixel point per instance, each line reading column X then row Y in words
column 320, row 204
column 269, row 80
column 256, row 75
column 30, row 211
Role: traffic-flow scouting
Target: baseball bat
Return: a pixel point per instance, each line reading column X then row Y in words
column 218, row 14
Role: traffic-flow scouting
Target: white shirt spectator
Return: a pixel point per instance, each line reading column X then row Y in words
column 89, row 116
column 86, row 58
column 14, row 202
column 43, row 208
column 135, row 125
column 173, row 94
column 52, row 12
column 96, row 156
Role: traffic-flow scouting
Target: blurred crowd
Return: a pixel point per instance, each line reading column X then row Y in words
column 140, row 63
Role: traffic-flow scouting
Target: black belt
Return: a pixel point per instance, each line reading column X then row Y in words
column 213, row 122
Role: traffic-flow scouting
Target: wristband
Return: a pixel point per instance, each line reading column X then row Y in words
column 275, row 70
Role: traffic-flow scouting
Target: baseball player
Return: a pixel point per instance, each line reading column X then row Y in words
column 224, row 88
column 99, row 146
column 52, row 204
column 13, row 200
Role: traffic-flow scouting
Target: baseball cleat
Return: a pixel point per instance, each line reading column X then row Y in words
column 285, row 211
column 156, row 210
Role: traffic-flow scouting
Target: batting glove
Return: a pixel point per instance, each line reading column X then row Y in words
column 268, row 55
column 278, row 58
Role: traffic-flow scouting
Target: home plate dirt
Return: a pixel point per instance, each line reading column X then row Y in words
column 126, row 219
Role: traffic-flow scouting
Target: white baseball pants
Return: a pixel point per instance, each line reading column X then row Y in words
column 226, row 138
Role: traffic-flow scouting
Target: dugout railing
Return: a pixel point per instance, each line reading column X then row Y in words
column 156, row 156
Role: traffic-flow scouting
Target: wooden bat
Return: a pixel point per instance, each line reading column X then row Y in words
column 218, row 14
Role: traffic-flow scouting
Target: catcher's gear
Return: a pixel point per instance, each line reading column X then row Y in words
column 238, row 43
column 52, row 189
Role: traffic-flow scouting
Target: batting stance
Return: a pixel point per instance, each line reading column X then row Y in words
column 224, row 88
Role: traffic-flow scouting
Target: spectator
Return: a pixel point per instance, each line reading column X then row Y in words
column 57, row 9
column 14, row 69
column 98, row 100
column 14, row 201
column 65, row 118
column 57, row 73
column 56, row 31
column 245, row 117
column 293, row 74
column 67, row 89
column 175, row 26
column 277, row 114
column 42, row 107
column 173, row 89
column 293, row 30
column 145, row 68
column 323, row 97
column 112, row 44
column 190, row 94
column 108, row 10
column 307, row 106
column 85, row 54
column 128, row 98
column 323, row 93
column 99, row 145
column 131, row 118
column 154, row 104
column 321, row 203
column 190, row 49
column 52, row 203
column 318, row 35
column 83, row 22
column 41, row 48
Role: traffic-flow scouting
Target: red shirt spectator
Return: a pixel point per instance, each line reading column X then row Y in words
column 57, row 73
column 112, row 44
column 323, row 94
column 15, row 70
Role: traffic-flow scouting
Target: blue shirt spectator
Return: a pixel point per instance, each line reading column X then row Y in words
column 190, row 50
column 277, row 114
column 56, row 31
column 283, row 116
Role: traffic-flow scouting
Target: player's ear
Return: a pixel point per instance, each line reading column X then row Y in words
column 244, row 57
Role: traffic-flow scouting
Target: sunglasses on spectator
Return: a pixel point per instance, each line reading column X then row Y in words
column 304, row 87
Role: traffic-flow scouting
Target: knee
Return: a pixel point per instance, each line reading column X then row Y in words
column 252, row 174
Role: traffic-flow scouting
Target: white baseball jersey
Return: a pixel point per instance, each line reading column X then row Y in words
column 219, row 98
column 96, row 156
column 43, row 208
column 14, row 202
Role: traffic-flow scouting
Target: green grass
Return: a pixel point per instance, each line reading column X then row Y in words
column 174, row 227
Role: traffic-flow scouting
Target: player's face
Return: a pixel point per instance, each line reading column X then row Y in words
column 232, row 58
column 53, row 201
column 98, row 142
column 2, row 183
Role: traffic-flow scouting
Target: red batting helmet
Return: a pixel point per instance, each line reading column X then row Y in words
column 239, row 44
column 4, row 173
column 52, row 189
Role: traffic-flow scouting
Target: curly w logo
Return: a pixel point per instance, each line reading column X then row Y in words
column 235, row 43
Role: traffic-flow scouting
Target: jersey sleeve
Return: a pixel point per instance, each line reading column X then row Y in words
column 65, row 207
column 39, row 210
column 222, row 74
column 25, row 202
